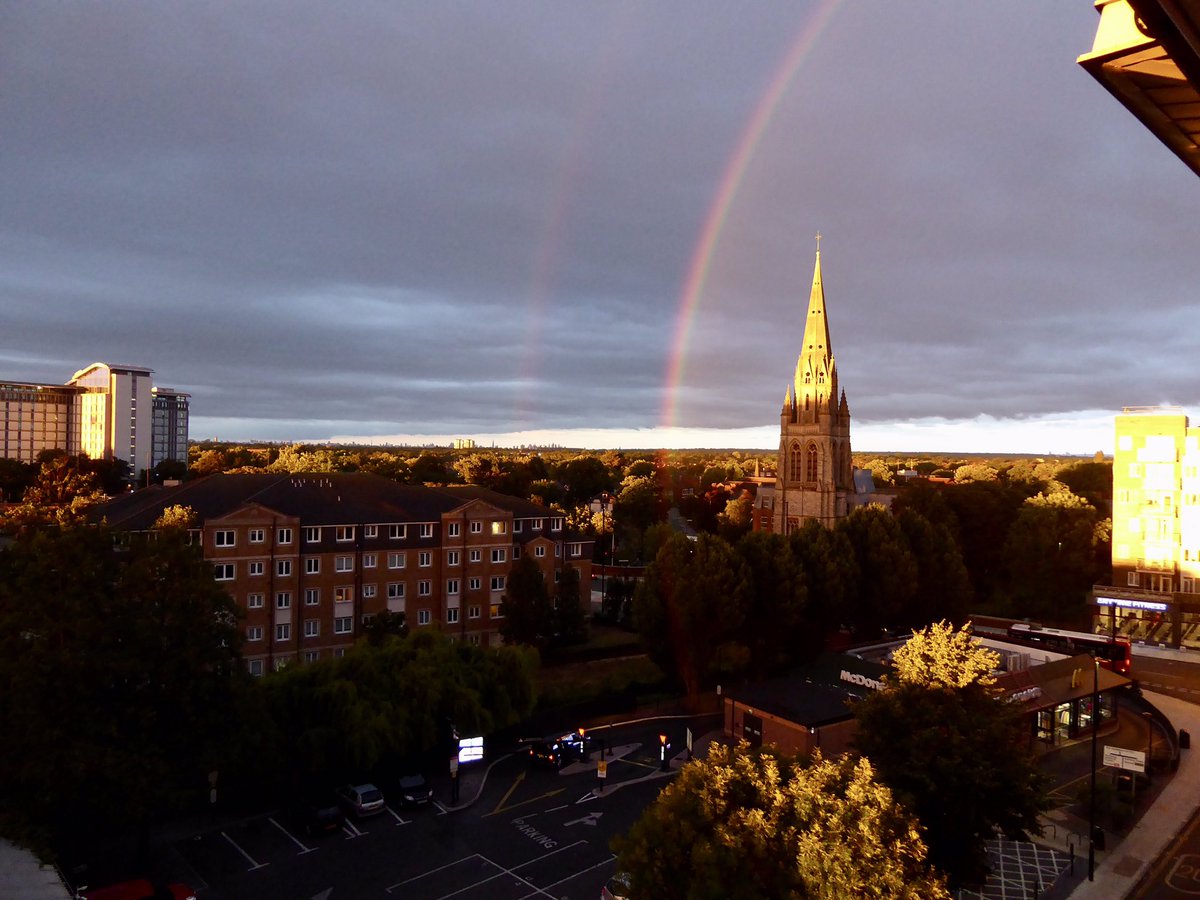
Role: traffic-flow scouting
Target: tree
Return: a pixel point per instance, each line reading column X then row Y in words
column 952, row 750
column 529, row 616
column 943, row 589
column 691, row 610
column 745, row 826
column 975, row 472
column 777, row 631
column 385, row 624
column 737, row 517
column 119, row 664
column 569, row 610
column 887, row 571
column 585, row 476
column 61, row 494
column 830, row 574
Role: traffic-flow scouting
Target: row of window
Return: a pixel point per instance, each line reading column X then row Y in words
column 395, row 591
column 345, row 624
column 227, row 537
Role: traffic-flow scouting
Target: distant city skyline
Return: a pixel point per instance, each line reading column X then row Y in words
column 593, row 224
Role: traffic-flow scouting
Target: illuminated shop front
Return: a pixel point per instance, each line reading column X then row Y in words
column 1172, row 619
column 1057, row 698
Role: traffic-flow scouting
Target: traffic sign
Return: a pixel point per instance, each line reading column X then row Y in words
column 1120, row 758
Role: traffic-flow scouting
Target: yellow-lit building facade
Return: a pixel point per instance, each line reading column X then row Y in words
column 1156, row 531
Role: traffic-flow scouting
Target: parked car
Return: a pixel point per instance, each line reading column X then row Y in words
column 617, row 888
column 360, row 799
column 321, row 818
column 138, row 889
column 548, row 752
column 415, row 790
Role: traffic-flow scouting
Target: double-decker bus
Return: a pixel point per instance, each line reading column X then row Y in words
column 1113, row 652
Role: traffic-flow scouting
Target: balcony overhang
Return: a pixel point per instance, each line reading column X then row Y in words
column 1147, row 54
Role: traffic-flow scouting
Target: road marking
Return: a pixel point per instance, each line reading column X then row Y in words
column 293, row 838
column 504, row 799
column 441, row 809
column 399, row 821
column 585, row 798
column 552, row 793
column 250, row 859
column 557, row 808
column 590, row 819
column 607, row 862
column 349, row 826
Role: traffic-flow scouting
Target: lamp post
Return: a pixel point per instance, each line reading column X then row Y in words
column 1092, row 800
column 1149, row 742
column 604, row 500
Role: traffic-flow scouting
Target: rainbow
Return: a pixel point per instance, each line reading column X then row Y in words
column 731, row 180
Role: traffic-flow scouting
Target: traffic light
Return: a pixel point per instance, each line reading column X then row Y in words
column 663, row 746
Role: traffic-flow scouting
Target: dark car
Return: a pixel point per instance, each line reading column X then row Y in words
column 139, row 889
column 322, row 818
column 414, row 790
column 548, row 752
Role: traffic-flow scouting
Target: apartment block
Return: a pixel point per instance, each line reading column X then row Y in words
column 311, row 559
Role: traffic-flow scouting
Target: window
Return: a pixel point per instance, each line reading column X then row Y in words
column 343, row 625
column 256, row 568
column 224, row 538
column 495, row 611
column 370, row 532
column 254, row 633
column 474, row 584
column 557, row 549
column 283, row 536
column 476, row 528
column 311, row 656
column 397, row 532
column 425, row 559
column 556, row 524
column 576, row 550
column 257, row 536
column 283, row 600
column 537, row 524
column 454, row 529
column 473, row 612
column 223, row 571
column 283, row 567
column 312, row 628
column 1187, row 584
column 339, row 652
column 312, row 565
column 283, row 632
column 452, row 558
column 395, row 590
column 499, row 528
column 254, row 601
column 476, row 556
column 1132, row 579
column 427, row 530
column 424, row 588
column 343, row 533
column 369, row 591
column 452, row 586
column 312, row 596
column 255, row 667
column 368, row 560
column 498, row 555
column 517, row 526
column 452, row 615
column 539, row 551
column 517, row 551
column 344, row 563
column 497, row 582
column 312, row 534
column 343, row 594
column 423, row 617
column 473, row 639
column 396, row 560
column 366, row 619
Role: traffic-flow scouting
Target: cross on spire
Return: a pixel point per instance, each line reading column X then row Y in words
column 818, row 242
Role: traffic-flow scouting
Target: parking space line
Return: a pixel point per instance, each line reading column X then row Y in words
column 450, row 865
column 399, row 821
column 292, row 837
column 253, row 864
column 513, row 873
column 441, row 809
column 605, row 862
column 347, row 825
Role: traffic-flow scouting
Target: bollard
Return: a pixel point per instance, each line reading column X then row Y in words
column 1185, row 739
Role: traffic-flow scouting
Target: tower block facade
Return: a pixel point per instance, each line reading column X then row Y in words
column 814, row 475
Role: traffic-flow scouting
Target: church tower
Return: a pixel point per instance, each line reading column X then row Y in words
column 814, row 474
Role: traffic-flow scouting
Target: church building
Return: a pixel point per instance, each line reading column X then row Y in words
column 815, row 477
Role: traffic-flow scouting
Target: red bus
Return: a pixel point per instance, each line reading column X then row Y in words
column 1113, row 652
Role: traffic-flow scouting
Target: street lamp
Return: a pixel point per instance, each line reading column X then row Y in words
column 1092, row 801
column 1149, row 742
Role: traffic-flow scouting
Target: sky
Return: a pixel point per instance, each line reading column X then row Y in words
column 592, row 224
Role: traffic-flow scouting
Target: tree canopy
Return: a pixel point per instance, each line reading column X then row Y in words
column 744, row 826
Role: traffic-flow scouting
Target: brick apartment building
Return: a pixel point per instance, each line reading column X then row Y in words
column 310, row 558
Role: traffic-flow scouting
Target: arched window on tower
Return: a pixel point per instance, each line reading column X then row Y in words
column 794, row 462
column 811, row 465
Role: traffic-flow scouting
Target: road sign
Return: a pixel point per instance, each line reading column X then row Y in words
column 1120, row 758
column 602, row 769
column 689, row 740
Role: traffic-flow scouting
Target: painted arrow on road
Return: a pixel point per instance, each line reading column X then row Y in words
column 589, row 819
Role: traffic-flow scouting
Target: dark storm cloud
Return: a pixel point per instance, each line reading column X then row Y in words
column 466, row 217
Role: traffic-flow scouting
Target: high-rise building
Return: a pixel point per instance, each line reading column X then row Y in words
column 105, row 412
column 1155, row 531
column 814, row 477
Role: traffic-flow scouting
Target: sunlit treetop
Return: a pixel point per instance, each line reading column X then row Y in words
column 941, row 657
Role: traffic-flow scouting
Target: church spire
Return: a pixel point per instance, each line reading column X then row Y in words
column 816, row 376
